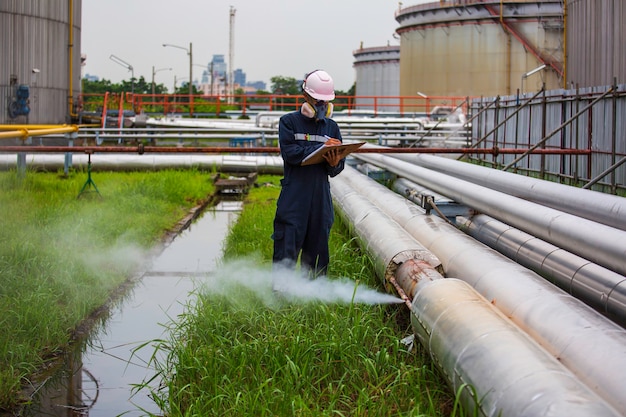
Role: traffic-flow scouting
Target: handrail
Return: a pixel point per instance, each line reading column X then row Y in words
column 217, row 104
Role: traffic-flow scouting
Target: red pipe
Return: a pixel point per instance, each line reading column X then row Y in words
column 226, row 149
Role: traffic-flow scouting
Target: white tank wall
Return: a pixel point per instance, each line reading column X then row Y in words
column 377, row 74
column 34, row 34
column 461, row 49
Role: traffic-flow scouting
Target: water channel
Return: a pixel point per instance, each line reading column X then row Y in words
column 99, row 382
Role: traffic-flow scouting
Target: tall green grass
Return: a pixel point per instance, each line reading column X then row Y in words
column 238, row 355
column 61, row 257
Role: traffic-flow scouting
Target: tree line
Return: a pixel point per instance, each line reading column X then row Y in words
column 280, row 85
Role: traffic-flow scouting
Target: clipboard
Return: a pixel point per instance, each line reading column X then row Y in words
column 318, row 155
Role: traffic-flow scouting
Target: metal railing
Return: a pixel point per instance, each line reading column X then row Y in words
column 589, row 119
column 200, row 105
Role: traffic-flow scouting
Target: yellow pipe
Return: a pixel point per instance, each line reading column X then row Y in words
column 28, row 127
column 24, row 133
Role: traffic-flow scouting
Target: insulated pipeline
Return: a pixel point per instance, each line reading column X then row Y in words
column 597, row 242
column 600, row 207
column 571, row 331
column 599, row 287
column 469, row 339
column 129, row 162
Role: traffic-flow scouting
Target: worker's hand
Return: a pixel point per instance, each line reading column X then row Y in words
column 333, row 157
column 332, row 142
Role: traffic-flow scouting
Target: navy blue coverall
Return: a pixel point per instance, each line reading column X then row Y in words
column 304, row 210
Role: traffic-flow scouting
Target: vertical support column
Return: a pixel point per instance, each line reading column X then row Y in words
column 68, row 155
column 21, row 164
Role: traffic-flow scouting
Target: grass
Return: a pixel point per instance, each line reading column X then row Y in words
column 234, row 353
column 61, row 257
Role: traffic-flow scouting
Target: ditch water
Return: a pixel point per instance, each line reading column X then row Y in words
column 98, row 382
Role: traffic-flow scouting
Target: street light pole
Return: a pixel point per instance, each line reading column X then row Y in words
column 190, row 71
column 153, row 73
column 190, row 53
column 125, row 64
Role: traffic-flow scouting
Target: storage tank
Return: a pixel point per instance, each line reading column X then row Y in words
column 595, row 42
column 474, row 48
column 40, row 50
column 377, row 75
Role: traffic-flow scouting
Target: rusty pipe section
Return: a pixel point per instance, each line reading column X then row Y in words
column 390, row 245
column 571, row 331
column 468, row 338
column 24, row 133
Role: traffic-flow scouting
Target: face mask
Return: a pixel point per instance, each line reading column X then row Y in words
column 318, row 112
column 321, row 110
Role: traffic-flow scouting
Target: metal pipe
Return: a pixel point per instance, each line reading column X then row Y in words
column 597, row 242
column 568, row 329
column 138, row 149
column 469, row 340
column 600, row 207
column 497, row 369
column 24, row 133
column 599, row 287
column 32, row 126
column 235, row 149
column 389, row 245
column 127, row 162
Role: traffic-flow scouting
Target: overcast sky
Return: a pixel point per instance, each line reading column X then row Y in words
column 271, row 37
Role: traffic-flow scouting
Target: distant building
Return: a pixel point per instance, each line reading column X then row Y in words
column 257, row 85
column 215, row 83
column 219, row 67
column 92, row 78
column 239, row 76
column 205, row 77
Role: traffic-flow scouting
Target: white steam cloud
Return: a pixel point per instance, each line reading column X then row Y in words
column 290, row 285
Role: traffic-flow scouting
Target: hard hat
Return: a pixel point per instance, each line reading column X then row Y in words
column 319, row 85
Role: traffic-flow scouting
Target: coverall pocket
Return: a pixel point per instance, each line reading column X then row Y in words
column 284, row 243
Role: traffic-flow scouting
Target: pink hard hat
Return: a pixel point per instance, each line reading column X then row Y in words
column 319, row 85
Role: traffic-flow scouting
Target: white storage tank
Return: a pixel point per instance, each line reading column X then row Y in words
column 474, row 48
column 377, row 75
column 40, row 50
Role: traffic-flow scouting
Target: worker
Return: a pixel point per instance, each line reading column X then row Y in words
column 304, row 210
